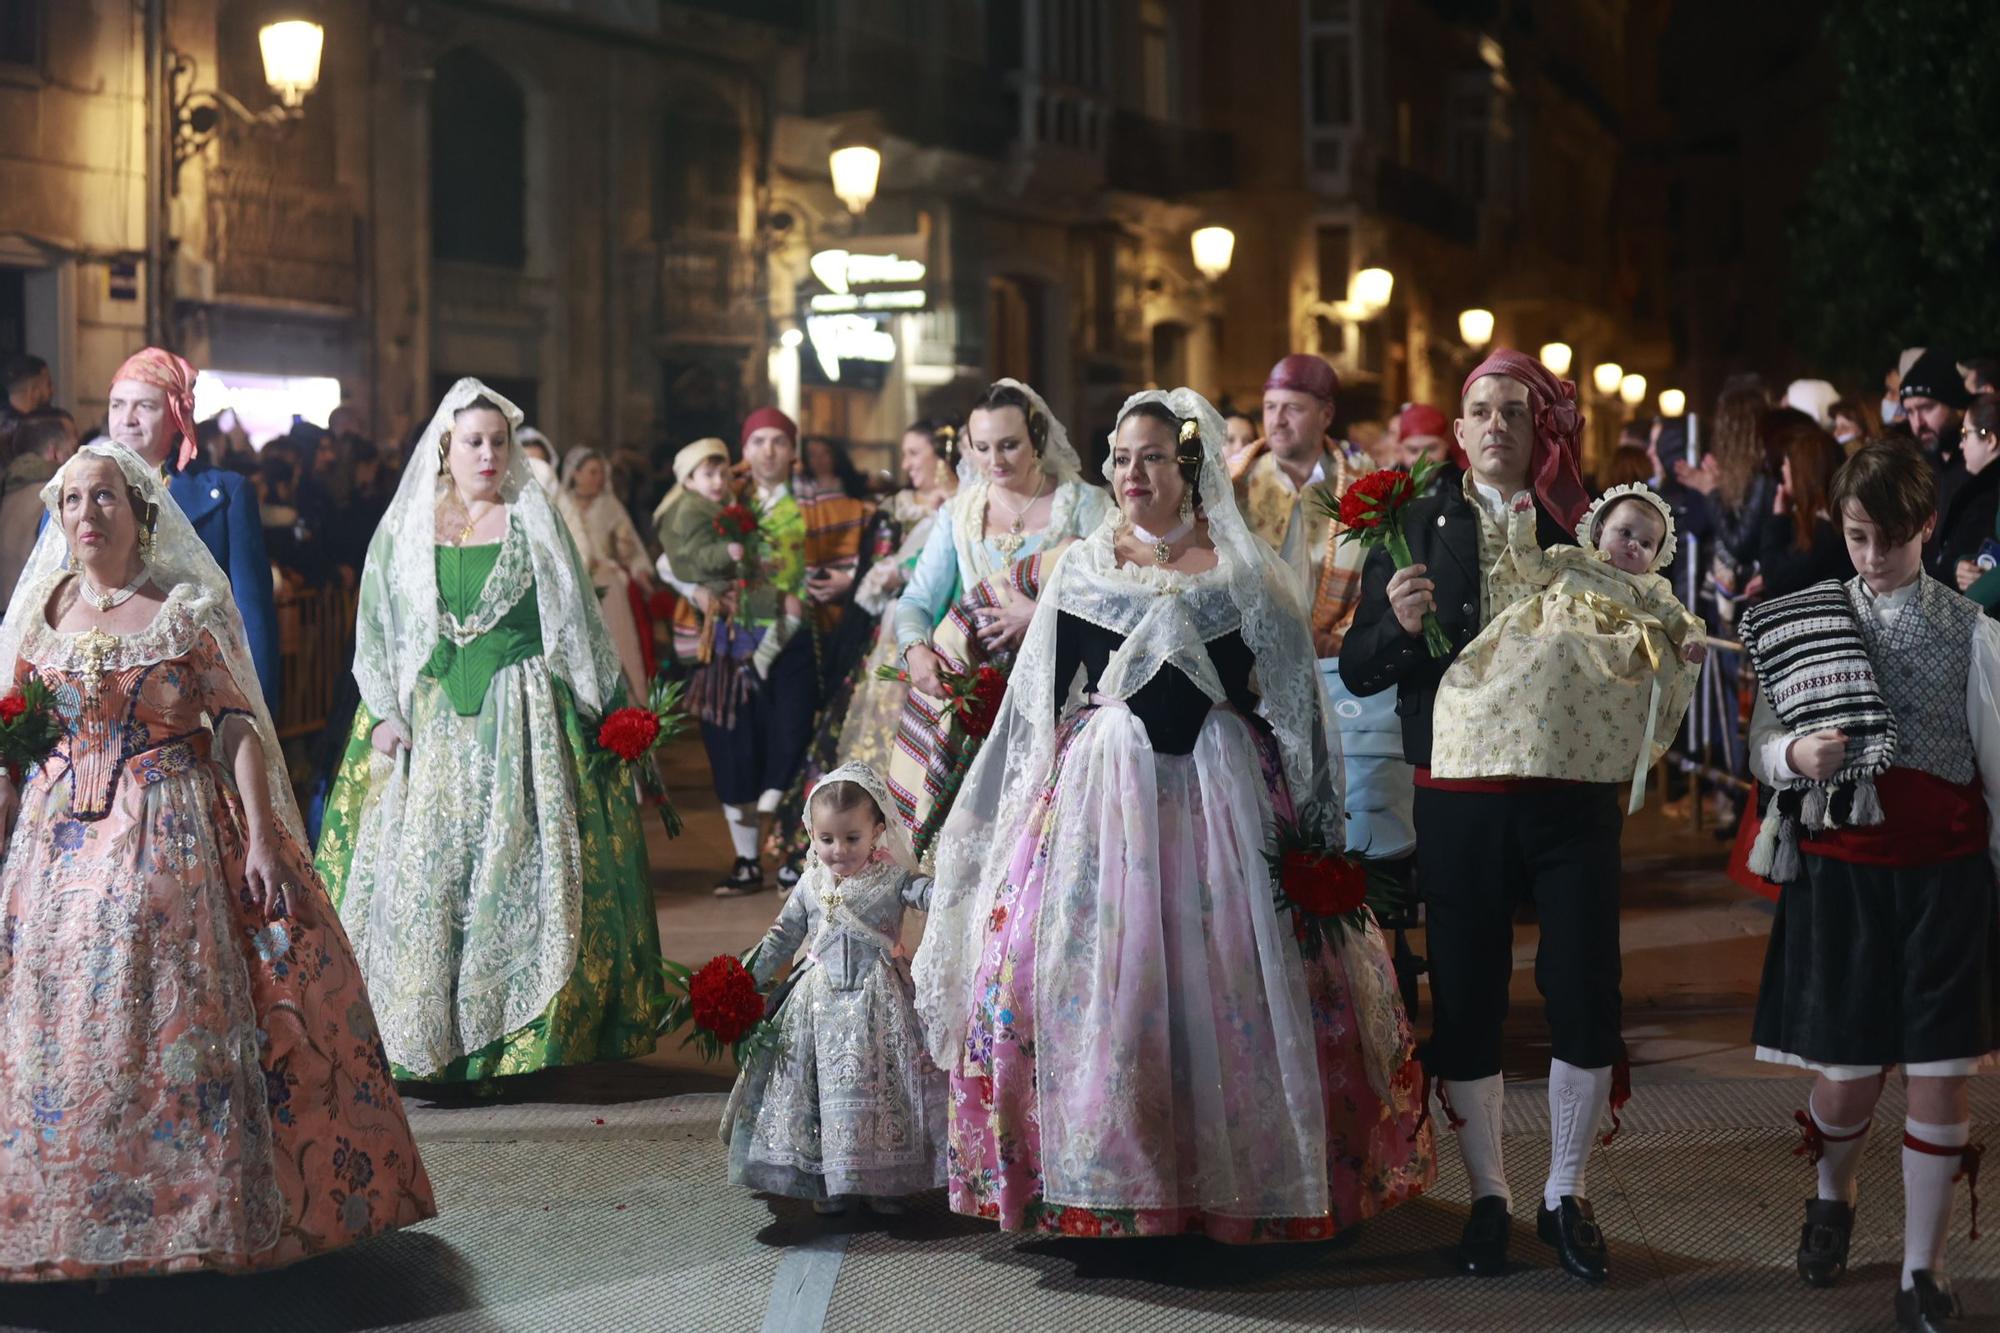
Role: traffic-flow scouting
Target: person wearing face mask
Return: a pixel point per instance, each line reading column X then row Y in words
column 490, row 871
column 1933, row 398
column 1852, row 424
column 1485, row 843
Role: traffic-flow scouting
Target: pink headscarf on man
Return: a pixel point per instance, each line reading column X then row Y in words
column 1552, row 469
column 163, row 370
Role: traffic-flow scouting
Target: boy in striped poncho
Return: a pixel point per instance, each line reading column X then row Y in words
column 1886, row 946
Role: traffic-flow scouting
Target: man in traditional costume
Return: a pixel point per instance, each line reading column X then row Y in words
column 1483, row 845
column 1286, row 481
column 151, row 412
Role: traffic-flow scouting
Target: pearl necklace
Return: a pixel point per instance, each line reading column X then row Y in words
column 1164, row 543
column 105, row 601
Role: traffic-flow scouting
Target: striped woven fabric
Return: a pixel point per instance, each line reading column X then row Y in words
column 1813, row 666
column 932, row 751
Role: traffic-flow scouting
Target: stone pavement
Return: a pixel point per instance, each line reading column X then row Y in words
column 597, row 1198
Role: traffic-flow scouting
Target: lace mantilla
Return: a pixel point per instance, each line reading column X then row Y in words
column 978, row 839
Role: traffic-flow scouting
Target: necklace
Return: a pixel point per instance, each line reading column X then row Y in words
column 465, row 533
column 1164, row 543
column 104, row 601
column 1010, row 544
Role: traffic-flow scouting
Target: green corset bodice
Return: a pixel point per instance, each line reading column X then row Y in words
column 465, row 672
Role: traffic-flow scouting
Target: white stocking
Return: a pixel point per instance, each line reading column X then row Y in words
column 742, row 830
column 1577, row 1098
column 1476, row 1102
column 1927, row 1192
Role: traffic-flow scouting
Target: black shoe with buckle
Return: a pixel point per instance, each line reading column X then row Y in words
column 1571, row 1227
column 789, row 875
column 745, row 878
column 1928, row 1306
column 1482, row 1246
column 1823, row 1241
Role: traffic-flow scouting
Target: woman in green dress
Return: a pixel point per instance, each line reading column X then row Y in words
column 492, row 876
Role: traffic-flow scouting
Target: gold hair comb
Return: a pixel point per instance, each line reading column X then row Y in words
column 1190, row 429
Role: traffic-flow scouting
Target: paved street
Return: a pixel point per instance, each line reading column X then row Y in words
column 596, row 1198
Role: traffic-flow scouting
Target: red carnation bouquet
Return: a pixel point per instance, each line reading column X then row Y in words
column 721, row 1006
column 974, row 695
column 1370, row 511
column 628, row 738
column 30, row 727
column 736, row 523
column 1324, row 890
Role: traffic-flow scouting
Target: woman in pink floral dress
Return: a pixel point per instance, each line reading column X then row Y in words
column 189, row 1072
column 1140, row 1040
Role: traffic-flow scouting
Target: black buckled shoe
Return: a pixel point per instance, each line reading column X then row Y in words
column 789, row 875
column 745, row 877
column 1927, row 1306
column 1571, row 1227
column 1823, row 1241
column 1482, row 1246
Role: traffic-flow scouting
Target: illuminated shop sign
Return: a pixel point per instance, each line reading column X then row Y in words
column 847, row 313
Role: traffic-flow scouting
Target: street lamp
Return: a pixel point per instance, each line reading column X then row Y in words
column 1632, row 389
column 291, row 58
column 1214, row 247
column 1369, row 290
column 1557, row 357
column 856, row 169
column 1672, row 402
column 1475, row 327
column 1607, row 377
column 291, row 51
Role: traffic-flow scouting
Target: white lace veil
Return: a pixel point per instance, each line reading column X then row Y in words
column 178, row 558
column 1059, row 456
column 897, row 840
column 398, row 628
column 991, row 808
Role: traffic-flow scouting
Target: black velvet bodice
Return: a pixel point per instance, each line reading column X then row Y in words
column 1170, row 705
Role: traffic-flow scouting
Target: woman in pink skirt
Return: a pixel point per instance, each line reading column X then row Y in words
column 1137, row 1040
column 190, row 1076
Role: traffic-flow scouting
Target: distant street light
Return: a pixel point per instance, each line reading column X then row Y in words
column 1632, row 389
column 856, row 169
column 1672, row 402
column 1557, row 357
column 1607, row 377
column 1369, row 289
column 1475, row 327
column 1214, row 247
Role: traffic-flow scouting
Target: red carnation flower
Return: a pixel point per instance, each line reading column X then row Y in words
column 1322, row 885
column 629, row 733
column 1375, row 498
column 735, row 523
column 980, row 706
column 724, row 1000
column 12, row 706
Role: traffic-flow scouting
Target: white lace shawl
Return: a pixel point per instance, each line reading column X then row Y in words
column 199, row 600
column 1059, row 456
column 401, row 615
column 1167, row 619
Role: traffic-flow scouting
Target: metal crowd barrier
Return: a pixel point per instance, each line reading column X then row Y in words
column 315, row 636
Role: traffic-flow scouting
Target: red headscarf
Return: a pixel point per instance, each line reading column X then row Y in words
column 1552, row 470
column 1303, row 373
column 1421, row 419
column 163, row 370
column 768, row 418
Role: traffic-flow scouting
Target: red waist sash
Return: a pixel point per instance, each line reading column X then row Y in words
column 1925, row 821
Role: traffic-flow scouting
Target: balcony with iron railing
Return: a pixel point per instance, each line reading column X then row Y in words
column 937, row 101
column 1425, row 202
column 1147, row 156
